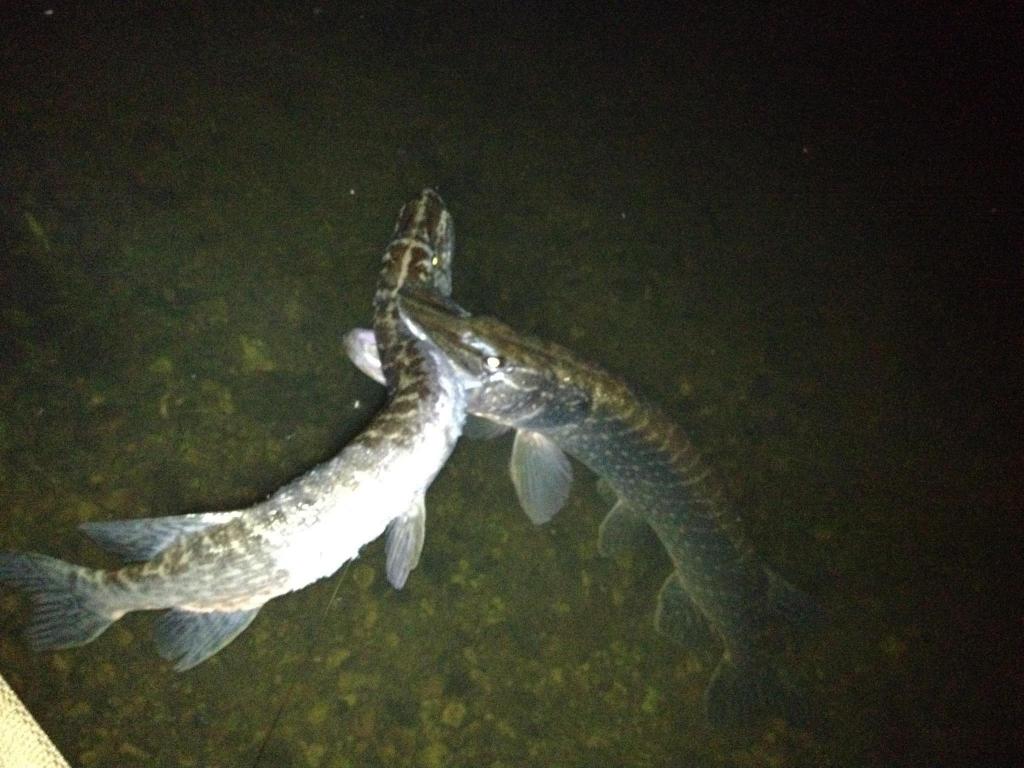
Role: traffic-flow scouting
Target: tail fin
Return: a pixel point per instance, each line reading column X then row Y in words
column 69, row 609
column 740, row 694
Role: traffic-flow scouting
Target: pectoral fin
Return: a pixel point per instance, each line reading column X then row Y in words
column 188, row 637
column 361, row 348
column 541, row 474
column 405, row 542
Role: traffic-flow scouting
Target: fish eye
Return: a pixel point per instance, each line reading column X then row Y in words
column 493, row 362
column 435, row 261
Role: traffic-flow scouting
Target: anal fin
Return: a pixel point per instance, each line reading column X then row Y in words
column 188, row 637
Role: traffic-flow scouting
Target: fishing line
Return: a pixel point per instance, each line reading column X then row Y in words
column 290, row 690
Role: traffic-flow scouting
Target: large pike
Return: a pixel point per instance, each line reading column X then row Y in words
column 214, row 570
column 560, row 404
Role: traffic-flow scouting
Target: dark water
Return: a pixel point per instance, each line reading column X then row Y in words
column 799, row 234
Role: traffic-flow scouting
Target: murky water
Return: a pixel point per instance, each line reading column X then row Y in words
column 193, row 213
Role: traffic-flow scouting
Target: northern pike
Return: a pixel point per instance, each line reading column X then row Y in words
column 559, row 404
column 215, row 570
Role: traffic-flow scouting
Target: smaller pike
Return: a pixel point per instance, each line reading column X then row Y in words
column 560, row 404
column 215, row 570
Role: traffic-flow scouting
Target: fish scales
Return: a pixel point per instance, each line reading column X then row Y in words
column 214, row 570
column 557, row 402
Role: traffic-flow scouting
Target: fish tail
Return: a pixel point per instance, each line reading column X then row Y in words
column 740, row 693
column 69, row 605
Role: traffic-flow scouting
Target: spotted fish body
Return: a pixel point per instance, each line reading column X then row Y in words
column 215, row 570
column 558, row 403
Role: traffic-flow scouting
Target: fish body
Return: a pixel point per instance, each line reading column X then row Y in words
column 214, row 570
column 559, row 404
column 426, row 403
